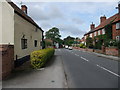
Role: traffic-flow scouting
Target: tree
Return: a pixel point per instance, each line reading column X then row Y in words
column 53, row 34
column 69, row 40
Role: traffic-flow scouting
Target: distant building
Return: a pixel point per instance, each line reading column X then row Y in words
column 100, row 29
column 20, row 36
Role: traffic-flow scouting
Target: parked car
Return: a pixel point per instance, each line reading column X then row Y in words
column 66, row 47
column 70, row 48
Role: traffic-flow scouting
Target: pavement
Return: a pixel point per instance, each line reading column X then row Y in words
column 103, row 55
column 51, row 76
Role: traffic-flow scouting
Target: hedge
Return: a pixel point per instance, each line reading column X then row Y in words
column 39, row 58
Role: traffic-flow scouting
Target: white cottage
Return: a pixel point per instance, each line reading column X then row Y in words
column 20, row 35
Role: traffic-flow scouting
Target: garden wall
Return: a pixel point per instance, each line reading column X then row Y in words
column 7, row 60
column 108, row 50
column 112, row 51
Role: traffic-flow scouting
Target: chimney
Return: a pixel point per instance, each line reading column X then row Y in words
column 119, row 7
column 102, row 18
column 24, row 8
column 92, row 26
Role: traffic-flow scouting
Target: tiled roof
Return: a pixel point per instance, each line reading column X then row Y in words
column 113, row 18
column 22, row 14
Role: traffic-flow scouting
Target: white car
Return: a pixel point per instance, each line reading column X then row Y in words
column 70, row 48
column 66, row 47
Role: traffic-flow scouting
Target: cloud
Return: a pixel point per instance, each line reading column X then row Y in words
column 44, row 11
column 72, row 19
column 77, row 20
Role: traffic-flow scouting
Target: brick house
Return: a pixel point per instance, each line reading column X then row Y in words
column 100, row 29
column 20, row 36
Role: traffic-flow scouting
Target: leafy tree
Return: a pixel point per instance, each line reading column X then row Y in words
column 53, row 34
column 69, row 40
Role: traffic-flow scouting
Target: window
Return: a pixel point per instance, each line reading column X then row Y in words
column 94, row 33
column 35, row 43
column 99, row 32
column 118, row 25
column 23, row 43
column 118, row 38
column 103, row 31
column 91, row 35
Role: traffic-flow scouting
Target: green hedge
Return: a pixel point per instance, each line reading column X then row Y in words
column 40, row 57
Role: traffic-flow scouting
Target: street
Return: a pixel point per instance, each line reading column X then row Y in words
column 87, row 70
column 68, row 69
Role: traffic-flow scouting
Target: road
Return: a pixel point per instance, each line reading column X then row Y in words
column 87, row 70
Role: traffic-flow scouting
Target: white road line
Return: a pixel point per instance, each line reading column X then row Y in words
column 76, row 55
column 108, row 71
column 84, row 59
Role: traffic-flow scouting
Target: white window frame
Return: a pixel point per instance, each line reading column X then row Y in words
column 99, row 32
column 117, row 25
column 117, row 38
column 103, row 31
column 95, row 33
column 91, row 35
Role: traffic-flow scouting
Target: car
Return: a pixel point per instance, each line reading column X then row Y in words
column 70, row 48
column 66, row 47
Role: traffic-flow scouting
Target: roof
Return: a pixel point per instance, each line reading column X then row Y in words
column 22, row 14
column 114, row 18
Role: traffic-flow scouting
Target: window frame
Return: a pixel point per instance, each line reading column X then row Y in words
column 35, row 43
column 118, row 26
column 103, row 31
column 23, row 43
column 117, row 38
column 95, row 33
column 99, row 32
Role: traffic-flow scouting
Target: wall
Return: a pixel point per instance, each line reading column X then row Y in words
column 7, row 24
column 6, row 38
column 112, row 51
column 115, row 32
column 7, row 52
column 0, row 40
column 23, row 27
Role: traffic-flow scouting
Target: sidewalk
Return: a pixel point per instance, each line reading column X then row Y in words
column 51, row 76
column 106, row 56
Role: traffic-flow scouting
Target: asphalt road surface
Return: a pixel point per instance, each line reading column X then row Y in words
column 87, row 70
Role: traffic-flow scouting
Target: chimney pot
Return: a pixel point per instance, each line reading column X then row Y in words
column 92, row 26
column 102, row 18
column 119, row 7
column 24, row 8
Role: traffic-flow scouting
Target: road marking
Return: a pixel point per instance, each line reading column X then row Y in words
column 108, row 71
column 76, row 55
column 84, row 59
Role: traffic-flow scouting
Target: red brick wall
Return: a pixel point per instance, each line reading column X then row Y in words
column 90, row 50
column 7, row 55
column 112, row 51
column 115, row 32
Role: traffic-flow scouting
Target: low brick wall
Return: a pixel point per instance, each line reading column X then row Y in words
column 90, row 50
column 98, row 51
column 7, row 59
column 112, row 51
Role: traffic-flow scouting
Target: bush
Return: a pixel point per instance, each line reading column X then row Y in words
column 40, row 57
column 82, row 45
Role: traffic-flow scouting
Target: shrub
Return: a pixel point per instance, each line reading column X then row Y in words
column 82, row 45
column 40, row 57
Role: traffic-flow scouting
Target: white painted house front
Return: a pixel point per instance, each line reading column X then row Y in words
column 18, row 32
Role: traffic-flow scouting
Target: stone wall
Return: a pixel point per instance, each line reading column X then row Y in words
column 7, row 59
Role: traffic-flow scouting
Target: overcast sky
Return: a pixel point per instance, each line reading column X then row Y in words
column 72, row 18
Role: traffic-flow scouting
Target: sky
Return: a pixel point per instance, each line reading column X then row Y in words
column 72, row 18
